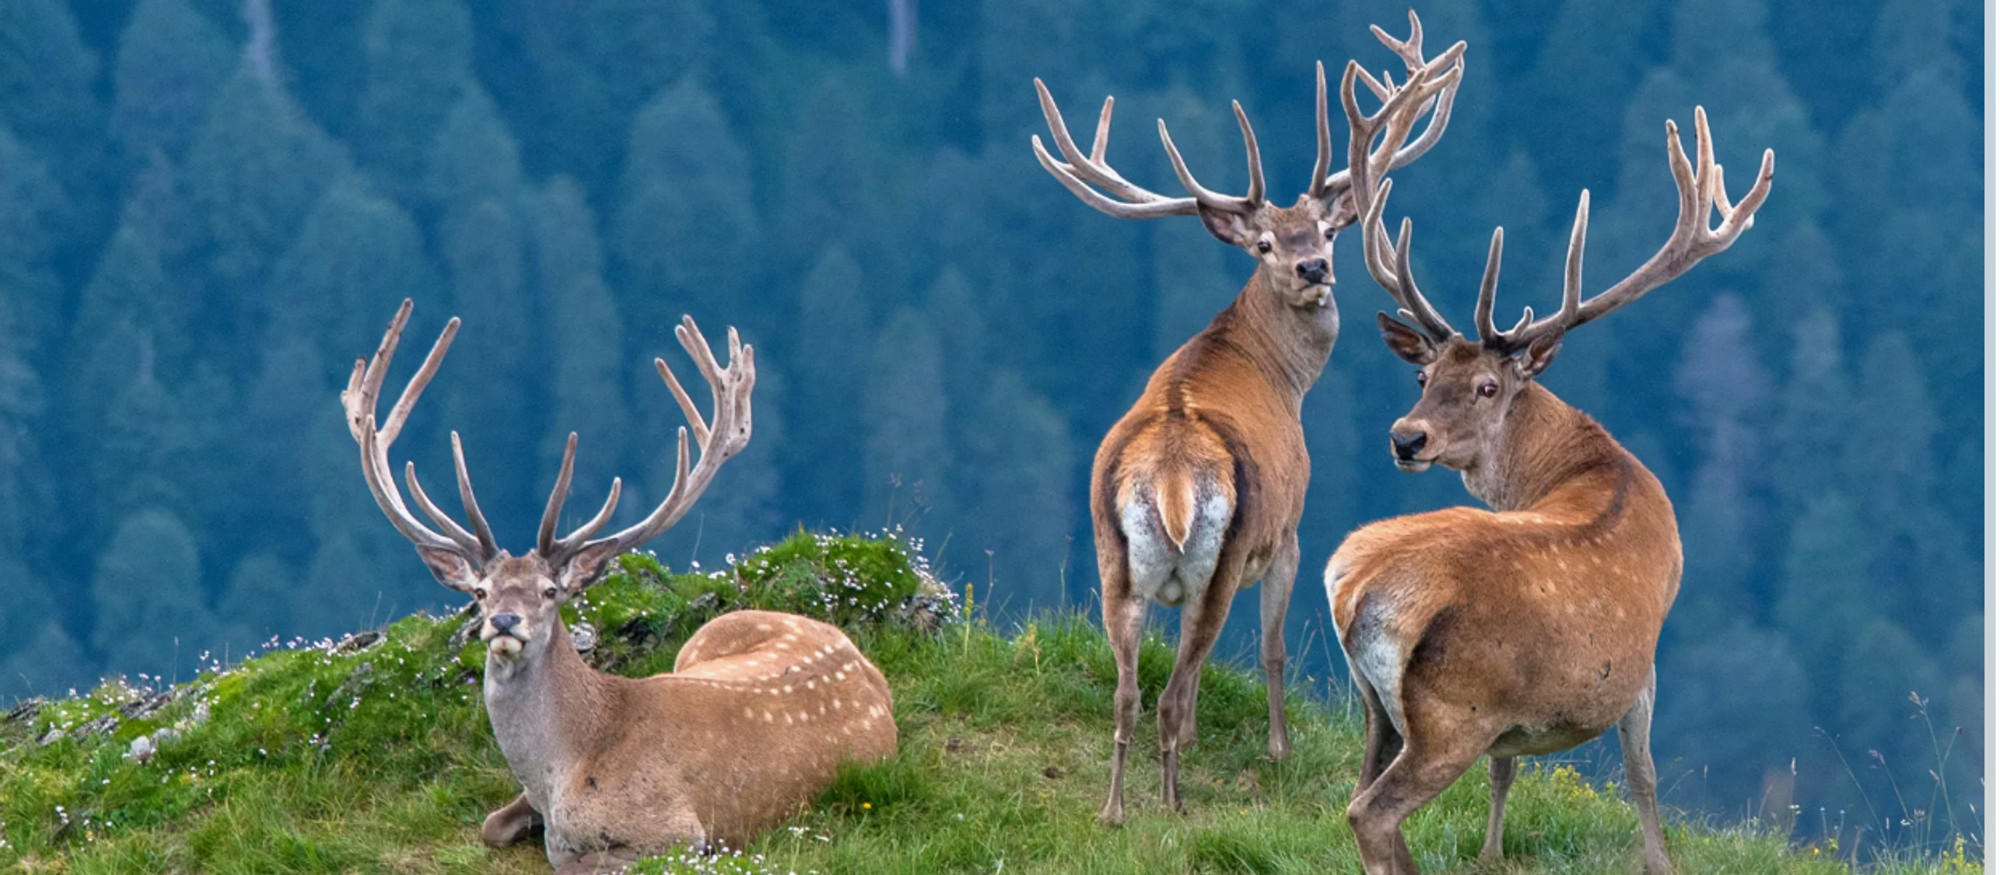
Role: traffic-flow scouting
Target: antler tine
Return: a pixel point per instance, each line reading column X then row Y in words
column 1079, row 172
column 558, row 550
column 1482, row 310
column 1430, row 87
column 364, row 386
column 545, row 536
column 589, row 529
column 452, row 530
column 1415, row 306
column 479, row 527
column 1215, row 200
column 1323, row 164
column 1102, row 139
column 1692, row 240
column 731, row 387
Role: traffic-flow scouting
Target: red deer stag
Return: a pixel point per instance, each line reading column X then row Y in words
column 1197, row 491
column 759, row 711
column 1530, row 628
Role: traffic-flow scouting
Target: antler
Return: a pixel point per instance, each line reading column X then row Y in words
column 1701, row 190
column 1428, row 86
column 364, row 388
column 1128, row 201
column 719, row 438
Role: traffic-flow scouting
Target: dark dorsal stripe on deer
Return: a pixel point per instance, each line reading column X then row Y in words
column 759, row 712
column 1197, row 491
column 1529, row 629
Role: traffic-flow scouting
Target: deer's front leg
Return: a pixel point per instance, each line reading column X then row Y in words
column 510, row 823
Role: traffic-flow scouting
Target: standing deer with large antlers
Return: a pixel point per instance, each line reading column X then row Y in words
column 1530, row 628
column 759, row 711
column 1197, row 491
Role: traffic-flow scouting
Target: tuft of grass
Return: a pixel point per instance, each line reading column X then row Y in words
column 374, row 755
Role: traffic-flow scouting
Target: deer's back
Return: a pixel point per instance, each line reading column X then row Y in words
column 1210, row 426
column 1549, row 615
column 760, row 712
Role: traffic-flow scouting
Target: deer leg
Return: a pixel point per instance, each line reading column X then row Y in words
column 510, row 823
column 1418, row 775
column 1201, row 624
column 1635, row 733
column 1271, row 603
column 606, row 862
column 1501, row 771
column 1124, row 619
column 1380, row 743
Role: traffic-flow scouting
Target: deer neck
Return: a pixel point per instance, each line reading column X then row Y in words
column 1289, row 344
column 545, row 712
column 1545, row 445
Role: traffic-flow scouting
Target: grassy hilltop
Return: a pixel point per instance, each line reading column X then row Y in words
column 374, row 755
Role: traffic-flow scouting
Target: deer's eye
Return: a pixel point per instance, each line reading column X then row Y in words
column 1329, row 234
column 1422, row 378
column 1489, row 389
column 549, row 593
column 479, row 593
column 1264, row 246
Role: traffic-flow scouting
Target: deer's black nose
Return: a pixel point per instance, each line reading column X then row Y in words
column 1407, row 446
column 505, row 622
column 1313, row 270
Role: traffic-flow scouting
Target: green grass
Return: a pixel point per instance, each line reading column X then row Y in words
column 379, row 759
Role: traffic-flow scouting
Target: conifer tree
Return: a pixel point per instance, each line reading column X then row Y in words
column 586, row 341
column 1018, row 507
column 907, row 457
column 687, row 227
column 829, row 354
column 474, row 158
column 171, row 62
column 1725, row 389
column 419, row 65
column 256, row 168
column 152, row 614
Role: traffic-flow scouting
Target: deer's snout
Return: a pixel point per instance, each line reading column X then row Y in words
column 1407, row 439
column 505, row 622
column 1314, row 270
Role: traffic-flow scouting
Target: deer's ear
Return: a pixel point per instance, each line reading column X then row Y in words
column 450, row 568
column 1541, row 353
column 1228, row 227
column 1407, row 343
column 587, row 566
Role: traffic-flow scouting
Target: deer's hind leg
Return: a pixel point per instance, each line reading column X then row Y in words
column 510, row 823
column 1272, row 602
column 1501, row 772
column 1201, row 624
column 1635, row 732
column 1124, row 620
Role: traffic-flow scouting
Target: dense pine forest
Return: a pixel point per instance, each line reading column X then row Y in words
column 208, row 208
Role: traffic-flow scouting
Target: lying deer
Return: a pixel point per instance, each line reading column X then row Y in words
column 1529, row 629
column 759, row 711
column 1197, row 491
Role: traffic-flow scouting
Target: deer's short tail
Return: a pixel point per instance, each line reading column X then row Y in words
column 1174, row 492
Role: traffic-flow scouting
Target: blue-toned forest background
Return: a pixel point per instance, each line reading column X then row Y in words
column 209, row 207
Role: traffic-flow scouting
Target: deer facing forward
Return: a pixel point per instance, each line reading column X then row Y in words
column 1197, row 490
column 1530, row 628
column 761, row 707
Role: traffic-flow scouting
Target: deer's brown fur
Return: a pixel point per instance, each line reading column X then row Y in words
column 1529, row 628
column 761, row 707
column 1196, row 492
